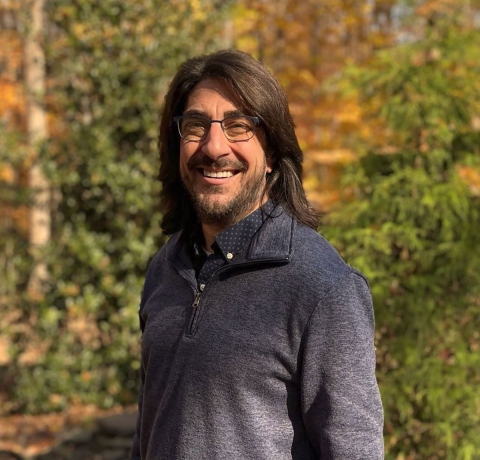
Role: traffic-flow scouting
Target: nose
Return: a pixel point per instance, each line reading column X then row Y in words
column 216, row 144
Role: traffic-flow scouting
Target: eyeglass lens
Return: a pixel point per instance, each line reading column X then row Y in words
column 197, row 128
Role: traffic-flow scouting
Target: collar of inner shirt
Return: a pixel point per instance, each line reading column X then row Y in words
column 231, row 240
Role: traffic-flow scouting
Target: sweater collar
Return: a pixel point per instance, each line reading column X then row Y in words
column 273, row 241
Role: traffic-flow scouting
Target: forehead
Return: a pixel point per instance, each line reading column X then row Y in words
column 212, row 94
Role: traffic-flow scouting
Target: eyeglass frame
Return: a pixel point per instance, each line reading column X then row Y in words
column 256, row 122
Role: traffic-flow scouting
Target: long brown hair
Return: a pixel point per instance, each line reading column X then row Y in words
column 259, row 94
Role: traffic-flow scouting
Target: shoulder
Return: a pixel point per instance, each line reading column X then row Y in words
column 167, row 252
column 314, row 256
column 158, row 261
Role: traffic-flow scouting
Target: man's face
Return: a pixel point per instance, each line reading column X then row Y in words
column 224, row 200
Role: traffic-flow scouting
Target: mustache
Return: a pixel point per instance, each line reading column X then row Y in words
column 204, row 161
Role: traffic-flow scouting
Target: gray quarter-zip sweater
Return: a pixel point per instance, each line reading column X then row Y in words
column 274, row 359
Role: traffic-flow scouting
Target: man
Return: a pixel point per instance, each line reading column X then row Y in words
column 257, row 337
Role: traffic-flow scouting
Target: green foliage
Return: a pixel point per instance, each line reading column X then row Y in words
column 108, row 65
column 14, row 258
column 410, row 222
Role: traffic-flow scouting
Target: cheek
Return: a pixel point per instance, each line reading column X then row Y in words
column 183, row 166
column 259, row 157
column 185, row 156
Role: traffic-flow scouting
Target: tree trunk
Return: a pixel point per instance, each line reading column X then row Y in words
column 40, row 218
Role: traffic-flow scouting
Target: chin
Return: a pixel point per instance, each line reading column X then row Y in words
column 215, row 205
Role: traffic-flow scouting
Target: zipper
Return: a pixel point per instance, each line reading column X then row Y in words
column 194, row 319
column 195, row 313
column 196, row 300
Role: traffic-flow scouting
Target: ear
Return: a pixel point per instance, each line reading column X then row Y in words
column 269, row 161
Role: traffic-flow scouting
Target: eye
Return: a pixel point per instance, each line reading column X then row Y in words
column 195, row 127
column 237, row 126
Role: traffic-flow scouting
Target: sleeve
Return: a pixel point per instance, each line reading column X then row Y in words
column 147, row 288
column 135, row 455
column 136, row 440
column 341, row 402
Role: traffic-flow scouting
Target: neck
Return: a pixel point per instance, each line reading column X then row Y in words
column 209, row 233
column 211, row 230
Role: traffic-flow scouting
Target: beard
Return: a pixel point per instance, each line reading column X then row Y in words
column 205, row 200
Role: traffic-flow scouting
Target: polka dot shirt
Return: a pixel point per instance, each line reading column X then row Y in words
column 228, row 244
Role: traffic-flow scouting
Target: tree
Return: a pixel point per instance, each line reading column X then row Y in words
column 304, row 44
column 34, row 65
column 410, row 220
column 107, row 67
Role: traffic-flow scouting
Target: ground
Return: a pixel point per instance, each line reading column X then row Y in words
column 43, row 436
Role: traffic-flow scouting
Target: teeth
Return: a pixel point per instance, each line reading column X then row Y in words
column 217, row 173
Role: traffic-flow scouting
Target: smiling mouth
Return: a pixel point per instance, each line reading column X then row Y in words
column 217, row 174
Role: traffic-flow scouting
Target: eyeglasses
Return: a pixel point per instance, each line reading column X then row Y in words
column 236, row 128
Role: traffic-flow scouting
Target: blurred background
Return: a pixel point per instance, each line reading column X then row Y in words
column 385, row 95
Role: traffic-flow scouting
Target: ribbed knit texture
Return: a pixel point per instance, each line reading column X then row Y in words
column 276, row 362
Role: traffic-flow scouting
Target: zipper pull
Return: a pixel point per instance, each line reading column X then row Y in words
column 196, row 300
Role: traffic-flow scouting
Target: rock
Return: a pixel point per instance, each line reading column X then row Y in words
column 118, row 425
column 77, row 436
column 114, row 454
column 4, row 455
column 110, row 438
column 115, row 442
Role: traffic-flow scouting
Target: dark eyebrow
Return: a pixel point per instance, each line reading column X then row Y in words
column 200, row 113
column 233, row 113
column 195, row 113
